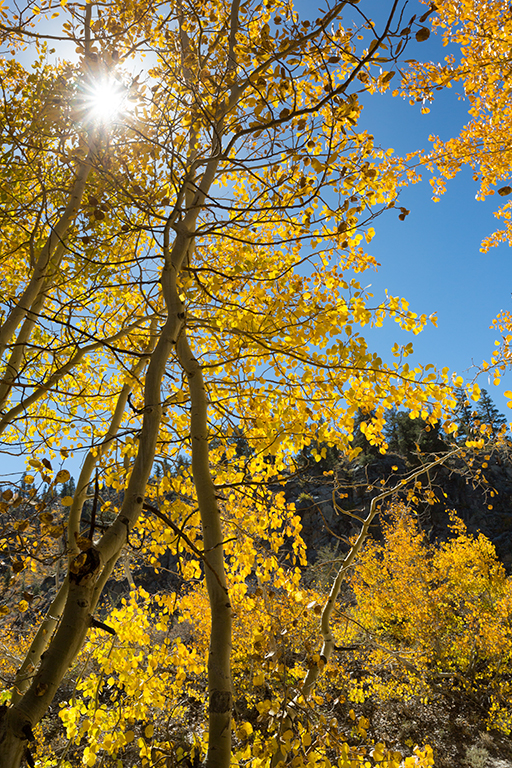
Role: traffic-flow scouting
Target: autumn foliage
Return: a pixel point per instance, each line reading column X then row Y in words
column 181, row 315
column 438, row 614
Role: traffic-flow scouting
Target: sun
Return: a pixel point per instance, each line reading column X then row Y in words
column 106, row 101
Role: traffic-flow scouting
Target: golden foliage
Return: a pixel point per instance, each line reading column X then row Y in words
column 172, row 280
column 438, row 614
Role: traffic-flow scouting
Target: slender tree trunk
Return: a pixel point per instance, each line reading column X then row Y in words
column 219, row 658
column 89, row 570
column 43, row 265
column 13, row 739
column 45, row 631
column 17, row 722
column 39, row 643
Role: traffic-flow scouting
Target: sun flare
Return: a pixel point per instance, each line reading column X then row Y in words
column 107, row 100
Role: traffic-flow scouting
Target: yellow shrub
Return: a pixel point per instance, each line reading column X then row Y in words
column 436, row 612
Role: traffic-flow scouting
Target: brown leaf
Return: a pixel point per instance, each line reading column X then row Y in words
column 425, row 16
column 388, row 76
column 83, row 543
column 422, row 34
column 504, row 191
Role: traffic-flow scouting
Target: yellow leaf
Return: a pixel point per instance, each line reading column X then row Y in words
column 378, row 752
column 244, row 731
column 476, row 392
column 258, row 678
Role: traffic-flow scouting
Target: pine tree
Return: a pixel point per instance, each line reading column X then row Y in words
column 488, row 414
column 464, row 416
column 368, row 450
column 68, row 487
column 410, row 437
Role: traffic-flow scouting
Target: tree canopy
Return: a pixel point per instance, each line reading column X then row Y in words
column 185, row 205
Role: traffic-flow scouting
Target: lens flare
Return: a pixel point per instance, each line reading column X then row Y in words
column 106, row 101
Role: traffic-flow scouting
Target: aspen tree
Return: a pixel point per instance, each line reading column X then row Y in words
column 178, row 272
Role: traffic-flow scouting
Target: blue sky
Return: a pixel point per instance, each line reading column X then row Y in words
column 433, row 258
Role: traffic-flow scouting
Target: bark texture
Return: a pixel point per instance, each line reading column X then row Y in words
column 219, row 658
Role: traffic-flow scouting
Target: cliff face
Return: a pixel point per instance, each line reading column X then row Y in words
column 480, row 493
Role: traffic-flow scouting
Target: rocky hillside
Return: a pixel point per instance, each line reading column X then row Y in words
column 478, row 488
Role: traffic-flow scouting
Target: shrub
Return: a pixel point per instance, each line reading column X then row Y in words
column 435, row 615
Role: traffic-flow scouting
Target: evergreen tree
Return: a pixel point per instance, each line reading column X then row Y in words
column 409, row 437
column 68, row 488
column 464, row 416
column 488, row 414
column 470, row 416
column 368, row 451
column 243, row 448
